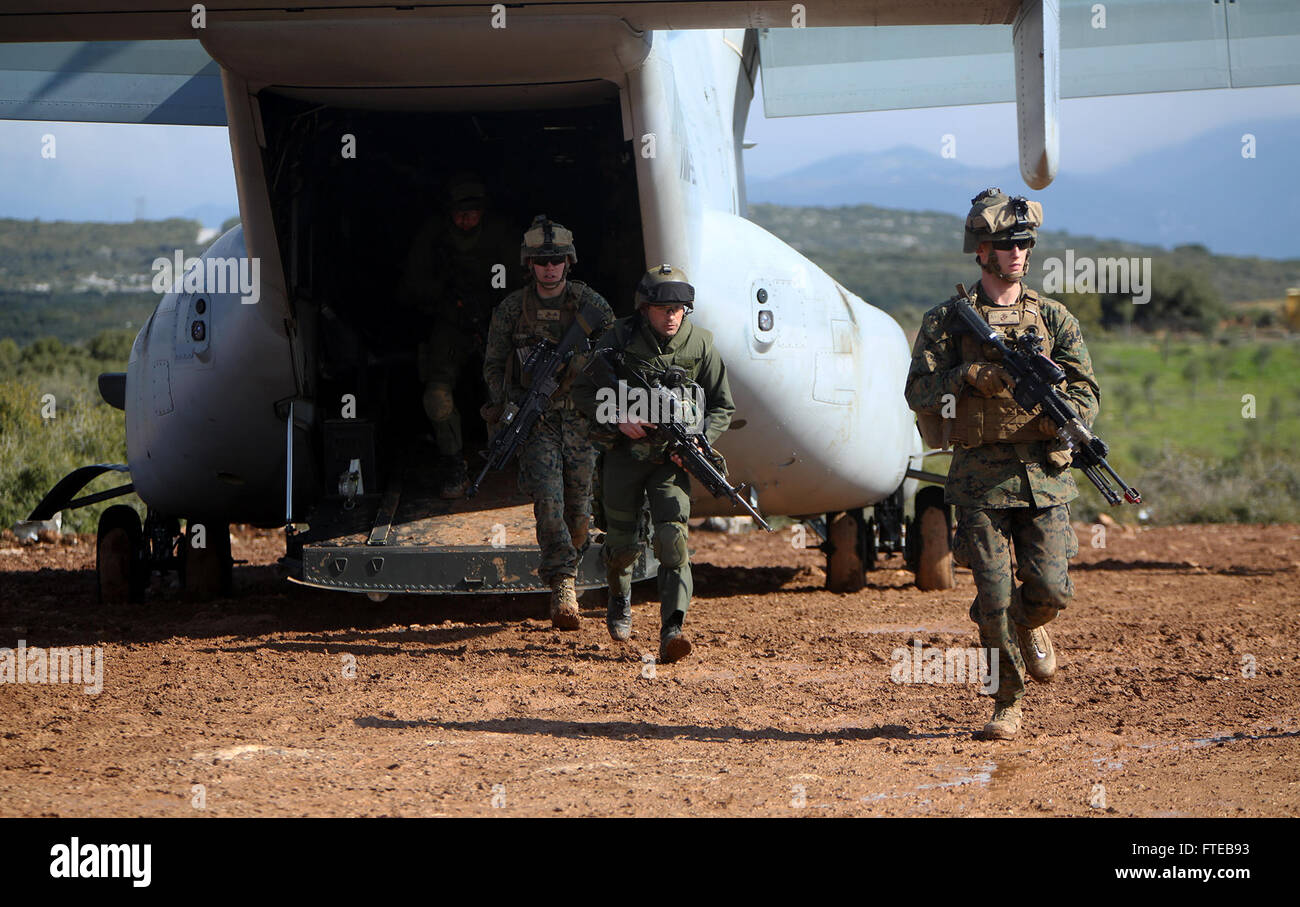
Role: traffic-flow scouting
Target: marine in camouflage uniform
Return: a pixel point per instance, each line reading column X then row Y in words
column 457, row 272
column 635, row 464
column 1010, row 478
column 557, row 460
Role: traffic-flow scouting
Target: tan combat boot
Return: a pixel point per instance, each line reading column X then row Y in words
column 1040, row 656
column 564, row 603
column 1005, row 724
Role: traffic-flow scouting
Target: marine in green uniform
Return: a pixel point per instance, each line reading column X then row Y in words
column 557, row 460
column 635, row 465
column 458, row 270
column 1010, row 478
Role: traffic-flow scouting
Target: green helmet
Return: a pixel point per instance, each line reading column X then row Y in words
column 466, row 192
column 665, row 285
column 995, row 217
column 546, row 238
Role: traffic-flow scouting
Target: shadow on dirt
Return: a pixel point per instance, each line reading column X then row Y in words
column 1111, row 563
column 60, row 607
column 722, row 582
column 639, row 730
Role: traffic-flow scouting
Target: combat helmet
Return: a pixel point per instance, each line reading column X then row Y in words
column 545, row 238
column 995, row 217
column 466, row 192
column 665, row 285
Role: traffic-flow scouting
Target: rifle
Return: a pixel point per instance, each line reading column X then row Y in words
column 1036, row 377
column 545, row 365
column 688, row 442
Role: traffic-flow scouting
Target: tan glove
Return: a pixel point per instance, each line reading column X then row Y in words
column 1046, row 426
column 988, row 379
column 1060, row 456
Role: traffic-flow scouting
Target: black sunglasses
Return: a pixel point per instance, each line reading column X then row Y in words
column 550, row 260
column 1006, row 245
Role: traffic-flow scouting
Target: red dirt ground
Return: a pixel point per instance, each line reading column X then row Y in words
column 465, row 705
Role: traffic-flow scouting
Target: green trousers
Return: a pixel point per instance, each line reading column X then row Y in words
column 442, row 358
column 625, row 483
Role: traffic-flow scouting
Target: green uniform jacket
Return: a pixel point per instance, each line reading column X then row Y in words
column 691, row 349
column 508, row 335
column 450, row 274
column 1001, row 475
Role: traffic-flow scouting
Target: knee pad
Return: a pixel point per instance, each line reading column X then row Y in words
column 438, row 402
column 670, row 544
column 1028, row 611
column 619, row 558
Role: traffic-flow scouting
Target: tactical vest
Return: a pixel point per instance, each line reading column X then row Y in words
column 998, row 419
column 543, row 319
column 469, row 260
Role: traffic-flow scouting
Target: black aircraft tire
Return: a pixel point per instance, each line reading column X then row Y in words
column 117, row 565
column 932, row 526
column 845, row 571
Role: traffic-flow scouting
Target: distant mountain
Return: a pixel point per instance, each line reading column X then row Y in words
column 1201, row 191
column 895, row 259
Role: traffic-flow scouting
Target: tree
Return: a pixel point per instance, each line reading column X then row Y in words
column 1180, row 300
column 111, row 346
column 1086, row 307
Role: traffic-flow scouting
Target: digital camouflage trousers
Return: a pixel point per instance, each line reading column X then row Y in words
column 556, row 463
column 1044, row 542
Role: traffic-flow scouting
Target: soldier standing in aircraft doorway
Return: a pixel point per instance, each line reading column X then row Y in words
column 1010, row 478
column 459, row 269
column 556, row 461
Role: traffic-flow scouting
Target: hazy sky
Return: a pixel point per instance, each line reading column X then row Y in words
column 1096, row 133
column 118, row 172
column 114, row 171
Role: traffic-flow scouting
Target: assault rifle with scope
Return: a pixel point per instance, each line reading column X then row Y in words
column 1036, row 378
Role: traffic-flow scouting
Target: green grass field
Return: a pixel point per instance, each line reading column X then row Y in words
column 1207, row 430
column 1171, row 410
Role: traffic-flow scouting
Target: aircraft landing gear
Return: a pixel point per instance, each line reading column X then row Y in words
column 850, row 548
column 121, row 564
column 127, row 555
column 929, row 541
column 205, row 563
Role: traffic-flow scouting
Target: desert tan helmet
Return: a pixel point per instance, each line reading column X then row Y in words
column 995, row 217
column 665, row 285
column 547, row 239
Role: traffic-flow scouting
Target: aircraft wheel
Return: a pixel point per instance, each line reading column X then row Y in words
column 931, row 537
column 845, row 570
column 206, row 571
column 118, row 567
